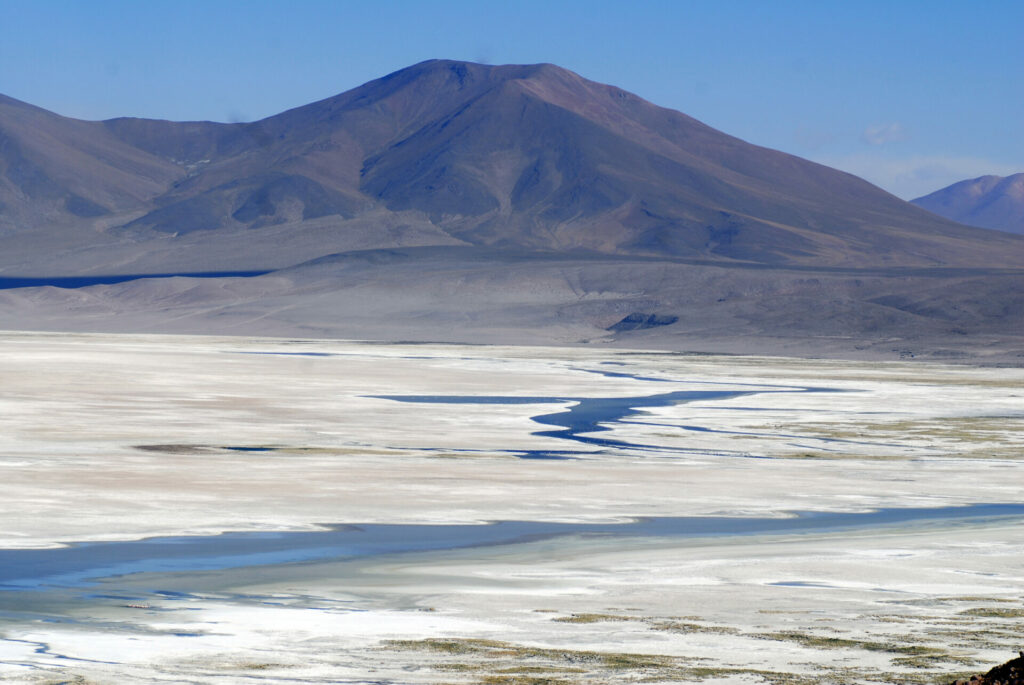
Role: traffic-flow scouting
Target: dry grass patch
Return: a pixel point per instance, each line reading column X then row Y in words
column 503, row 663
column 993, row 612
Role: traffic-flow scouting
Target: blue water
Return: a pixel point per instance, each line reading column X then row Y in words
column 590, row 414
column 85, row 281
column 587, row 415
column 74, row 566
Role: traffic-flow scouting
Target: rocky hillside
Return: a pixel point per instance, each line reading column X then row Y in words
column 529, row 157
column 989, row 202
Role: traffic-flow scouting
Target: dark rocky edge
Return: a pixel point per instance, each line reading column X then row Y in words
column 639, row 321
column 1010, row 673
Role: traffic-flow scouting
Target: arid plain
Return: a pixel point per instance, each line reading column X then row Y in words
column 322, row 511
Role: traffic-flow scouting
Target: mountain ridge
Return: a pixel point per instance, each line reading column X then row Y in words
column 471, row 203
column 527, row 156
column 994, row 202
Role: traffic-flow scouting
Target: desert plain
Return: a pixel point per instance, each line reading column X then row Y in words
column 192, row 509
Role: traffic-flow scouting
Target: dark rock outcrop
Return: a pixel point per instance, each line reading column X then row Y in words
column 638, row 321
column 1010, row 673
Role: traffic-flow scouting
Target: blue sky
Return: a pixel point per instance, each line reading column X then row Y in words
column 910, row 95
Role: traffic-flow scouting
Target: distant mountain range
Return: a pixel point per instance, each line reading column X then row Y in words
column 464, row 201
column 989, row 202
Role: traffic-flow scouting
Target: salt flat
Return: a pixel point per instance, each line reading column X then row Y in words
column 107, row 438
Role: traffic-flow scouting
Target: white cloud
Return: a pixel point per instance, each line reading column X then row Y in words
column 880, row 134
column 911, row 177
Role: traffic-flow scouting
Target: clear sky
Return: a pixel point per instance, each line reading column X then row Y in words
column 912, row 95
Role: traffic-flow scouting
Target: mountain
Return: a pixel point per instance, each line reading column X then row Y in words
column 530, row 157
column 54, row 168
column 459, row 201
column 995, row 202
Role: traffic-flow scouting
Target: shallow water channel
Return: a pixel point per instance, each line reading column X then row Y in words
column 76, row 565
column 587, row 415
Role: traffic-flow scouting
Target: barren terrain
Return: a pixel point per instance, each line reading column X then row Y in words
column 696, row 518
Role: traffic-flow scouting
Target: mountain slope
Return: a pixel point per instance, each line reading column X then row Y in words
column 55, row 169
column 457, row 201
column 537, row 157
column 522, row 156
column 995, row 202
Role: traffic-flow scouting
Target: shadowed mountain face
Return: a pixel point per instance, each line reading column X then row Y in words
column 989, row 202
column 529, row 157
column 53, row 169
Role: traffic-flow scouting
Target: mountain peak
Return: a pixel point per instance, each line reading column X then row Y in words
column 458, row 195
column 516, row 156
column 995, row 202
column 463, row 69
column 454, row 76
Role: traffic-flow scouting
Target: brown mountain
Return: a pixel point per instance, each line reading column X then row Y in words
column 460, row 201
column 531, row 157
column 54, row 168
column 995, row 202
